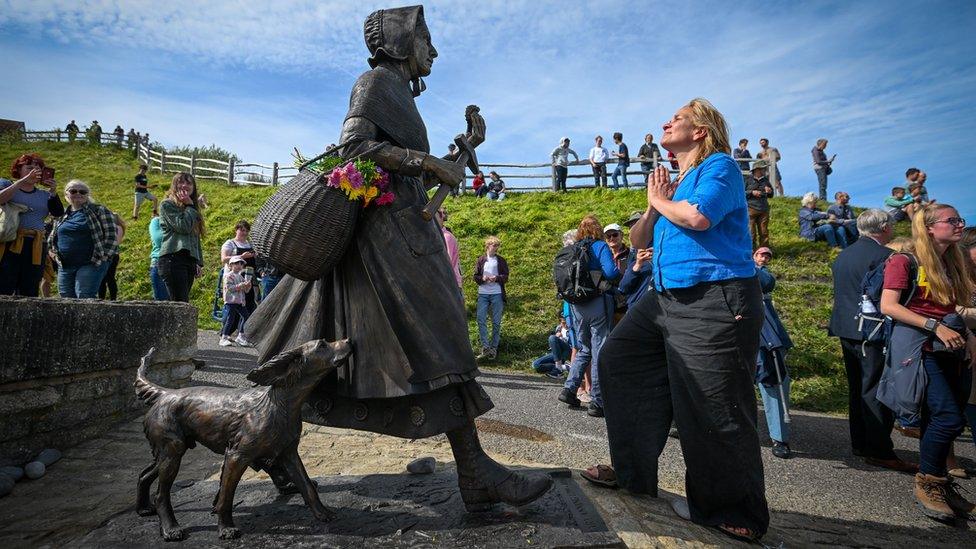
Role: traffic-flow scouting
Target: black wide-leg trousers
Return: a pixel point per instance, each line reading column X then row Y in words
column 690, row 353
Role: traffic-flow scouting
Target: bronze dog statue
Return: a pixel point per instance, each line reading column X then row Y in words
column 258, row 427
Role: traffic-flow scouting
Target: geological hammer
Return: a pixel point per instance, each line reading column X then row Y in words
column 467, row 157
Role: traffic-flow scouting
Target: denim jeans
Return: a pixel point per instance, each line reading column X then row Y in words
column 561, row 173
column 268, row 283
column 492, row 195
column 834, row 235
column 160, row 293
column 779, row 430
column 559, row 351
column 592, row 321
column 497, row 305
column 850, row 233
column 620, row 170
column 235, row 315
column 942, row 413
column 81, row 282
column 822, row 181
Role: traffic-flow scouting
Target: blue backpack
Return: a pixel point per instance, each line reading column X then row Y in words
column 873, row 325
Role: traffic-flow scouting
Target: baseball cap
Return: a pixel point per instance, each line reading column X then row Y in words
column 236, row 259
column 764, row 250
column 634, row 217
column 612, row 227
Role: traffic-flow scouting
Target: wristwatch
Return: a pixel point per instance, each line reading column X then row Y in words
column 931, row 324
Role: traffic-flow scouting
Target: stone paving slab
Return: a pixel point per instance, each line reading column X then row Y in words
column 384, row 510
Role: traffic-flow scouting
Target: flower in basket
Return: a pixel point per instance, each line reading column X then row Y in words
column 360, row 179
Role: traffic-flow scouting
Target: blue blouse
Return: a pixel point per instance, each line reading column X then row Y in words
column 686, row 257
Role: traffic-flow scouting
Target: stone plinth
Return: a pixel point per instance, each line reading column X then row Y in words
column 67, row 366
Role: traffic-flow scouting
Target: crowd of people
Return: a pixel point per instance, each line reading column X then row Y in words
column 94, row 135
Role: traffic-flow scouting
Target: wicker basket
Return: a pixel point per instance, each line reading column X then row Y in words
column 305, row 227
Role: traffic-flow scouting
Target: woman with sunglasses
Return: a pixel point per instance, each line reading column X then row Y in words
column 34, row 189
column 84, row 240
column 928, row 334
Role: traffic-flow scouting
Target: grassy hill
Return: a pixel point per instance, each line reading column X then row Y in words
column 529, row 225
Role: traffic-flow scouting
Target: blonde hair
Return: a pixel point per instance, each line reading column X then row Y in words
column 949, row 278
column 901, row 244
column 493, row 240
column 589, row 227
column 79, row 184
column 809, row 198
column 705, row 115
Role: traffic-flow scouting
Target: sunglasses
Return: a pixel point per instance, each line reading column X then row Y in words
column 612, row 234
column 77, row 191
column 954, row 221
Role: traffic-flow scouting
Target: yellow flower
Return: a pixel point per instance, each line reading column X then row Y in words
column 370, row 194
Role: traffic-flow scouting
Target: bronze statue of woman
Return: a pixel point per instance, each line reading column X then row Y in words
column 393, row 294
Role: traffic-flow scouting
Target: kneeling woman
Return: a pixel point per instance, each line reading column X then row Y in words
column 84, row 241
column 692, row 342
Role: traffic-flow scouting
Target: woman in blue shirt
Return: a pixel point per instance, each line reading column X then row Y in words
column 592, row 319
column 688, row 349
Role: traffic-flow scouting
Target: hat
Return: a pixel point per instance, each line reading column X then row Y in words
column 612, row 227
column 764, row 250
column 236, row 259
column 634, row 218
column 760, row 165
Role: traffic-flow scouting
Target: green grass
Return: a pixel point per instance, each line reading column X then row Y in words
column 529, row 225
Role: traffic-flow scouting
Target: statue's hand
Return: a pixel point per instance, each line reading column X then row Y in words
column 444, row 171
column 476, row 135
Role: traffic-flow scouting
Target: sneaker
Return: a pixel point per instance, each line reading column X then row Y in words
column 483, row 354
column 781, row 450
column 568, row 396
column 492, row 353
column 594, row 410
column 241, row 341
column 554, row 374
column 225, row 342
column 931, row 495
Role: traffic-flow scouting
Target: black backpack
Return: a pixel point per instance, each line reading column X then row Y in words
column 875, row 326
column 571, row 273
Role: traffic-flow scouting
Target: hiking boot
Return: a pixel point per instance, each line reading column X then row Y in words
column 569, row 397
column 782, row 450
column 959, row 504
column 931, row 494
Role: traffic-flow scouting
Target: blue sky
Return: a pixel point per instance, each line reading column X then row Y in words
column 890, row 84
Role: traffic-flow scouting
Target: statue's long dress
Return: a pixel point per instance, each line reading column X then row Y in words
column 393, row 295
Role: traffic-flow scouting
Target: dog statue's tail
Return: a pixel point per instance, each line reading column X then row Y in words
column 146, row 390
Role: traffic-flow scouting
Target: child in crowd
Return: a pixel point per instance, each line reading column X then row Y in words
column 899, row 206
column 235, row 313
column 919, row 193
column 555, row 364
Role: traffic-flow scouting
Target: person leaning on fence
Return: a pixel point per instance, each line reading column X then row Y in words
column 742, row 151
column 72, row 130
column 180, row 256
column 772, row 374
column 817, row 226
column 491, row 275
column 592, row 319
column 94, row 133
column 842, row 214
column 27, row 202
column 119, row 134
column 84, row 241
column 758, row 193
column 598, row 161
column 496, row 186
column 131, row 139
column 623, row 160
column 772, row 156
column 821, row 166
column 927, row 334
column 560, row 162
column 142, row 193
column 109, row 285
column 649, row 154
column 655, row 366
column 869, row 421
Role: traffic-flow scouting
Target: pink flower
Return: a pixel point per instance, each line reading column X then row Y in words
column 385, row 198
column 355, row 178
column 335, row 178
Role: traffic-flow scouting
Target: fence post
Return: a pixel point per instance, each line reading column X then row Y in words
column 193, row 164
column 59, row 135
column 274, row 175
column 230, row 171
column 162, row 161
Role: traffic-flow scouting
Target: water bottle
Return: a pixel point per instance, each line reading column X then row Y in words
column 867, row 307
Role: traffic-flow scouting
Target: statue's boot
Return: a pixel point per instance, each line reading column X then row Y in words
column 483, row 481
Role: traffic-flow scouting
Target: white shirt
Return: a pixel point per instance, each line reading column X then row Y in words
column 599, row 155
column 490, row 269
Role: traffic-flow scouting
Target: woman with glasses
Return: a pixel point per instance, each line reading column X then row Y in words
column 84, row 240
column 34, row 194
column 929, row 336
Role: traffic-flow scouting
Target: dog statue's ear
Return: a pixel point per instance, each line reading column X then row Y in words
column 276, row 368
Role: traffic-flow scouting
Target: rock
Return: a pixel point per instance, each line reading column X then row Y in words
column 16, row 473
column 35, row 470
column 48, row 457
column 422, row 466
column 6, row 485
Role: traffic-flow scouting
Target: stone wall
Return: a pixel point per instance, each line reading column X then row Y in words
column 67, row 366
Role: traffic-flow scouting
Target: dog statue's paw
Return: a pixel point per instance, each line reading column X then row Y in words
column 171, row 534
column 229, row 532
column 324, row 514
column 146, row 511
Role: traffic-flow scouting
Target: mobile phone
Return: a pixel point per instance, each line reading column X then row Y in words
column 47, row 174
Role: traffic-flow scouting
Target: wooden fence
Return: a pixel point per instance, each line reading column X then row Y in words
column 247, row 173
